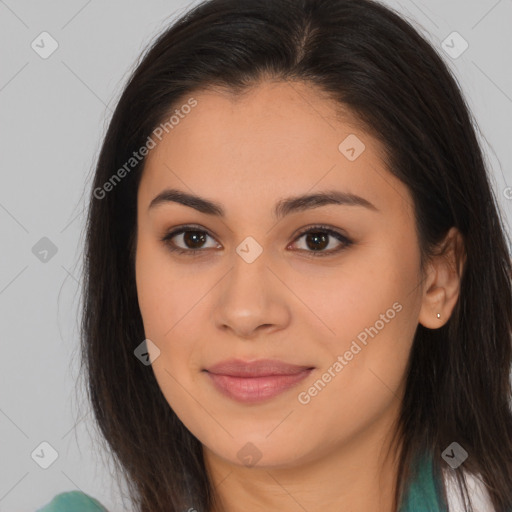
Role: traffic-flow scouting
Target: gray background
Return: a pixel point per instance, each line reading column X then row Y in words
column 54, row 113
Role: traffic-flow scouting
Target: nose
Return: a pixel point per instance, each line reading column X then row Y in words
column 251, row 300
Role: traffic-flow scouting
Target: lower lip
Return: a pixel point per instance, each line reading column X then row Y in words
column 256, row 389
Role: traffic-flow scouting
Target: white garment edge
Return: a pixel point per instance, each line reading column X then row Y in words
column 480, row 498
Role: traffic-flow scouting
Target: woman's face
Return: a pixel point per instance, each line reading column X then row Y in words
column 260, row 289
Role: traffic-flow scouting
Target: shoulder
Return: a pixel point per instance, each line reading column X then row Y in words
column 480, row 498
column 79, row 501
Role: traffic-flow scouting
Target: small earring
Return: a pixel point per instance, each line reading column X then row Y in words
column 438, row 315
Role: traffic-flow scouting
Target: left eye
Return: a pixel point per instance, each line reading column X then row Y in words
column 317, row 238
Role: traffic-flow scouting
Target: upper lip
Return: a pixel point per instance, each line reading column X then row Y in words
column 259, row 368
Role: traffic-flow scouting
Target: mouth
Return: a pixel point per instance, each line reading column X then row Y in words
column 256, row 381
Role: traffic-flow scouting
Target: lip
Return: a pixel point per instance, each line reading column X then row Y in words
column 255, row 381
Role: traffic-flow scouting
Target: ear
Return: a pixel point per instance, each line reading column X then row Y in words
column 442, row 282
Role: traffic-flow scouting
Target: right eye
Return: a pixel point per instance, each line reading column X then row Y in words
column 191, row 237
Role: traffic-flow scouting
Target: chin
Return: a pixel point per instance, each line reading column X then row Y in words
column 253, row 451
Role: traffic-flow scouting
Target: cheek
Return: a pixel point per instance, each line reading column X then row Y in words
column 164, row 292
column 361, row 380
column 360, row 295
column 168, row 302
column 368, row 319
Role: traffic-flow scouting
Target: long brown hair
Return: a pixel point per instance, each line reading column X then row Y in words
column 369, row 59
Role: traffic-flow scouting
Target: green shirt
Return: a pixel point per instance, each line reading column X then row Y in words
column 424, row 492
column 423, row 495
column 74, row 501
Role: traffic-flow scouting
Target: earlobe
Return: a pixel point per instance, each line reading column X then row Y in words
column 443, row 282
column 434, row 312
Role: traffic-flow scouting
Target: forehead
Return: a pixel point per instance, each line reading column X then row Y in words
column 269, row 120
column 278, row 138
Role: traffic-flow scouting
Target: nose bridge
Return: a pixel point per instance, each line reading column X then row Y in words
column 248, row 296
column 248, row 279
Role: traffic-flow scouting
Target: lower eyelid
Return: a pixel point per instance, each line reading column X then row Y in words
column 344, row 243
column 344, row 240
column 167, row 239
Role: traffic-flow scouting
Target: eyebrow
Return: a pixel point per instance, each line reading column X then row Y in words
column 282, row 208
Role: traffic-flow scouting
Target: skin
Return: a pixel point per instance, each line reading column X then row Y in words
column 246, row 153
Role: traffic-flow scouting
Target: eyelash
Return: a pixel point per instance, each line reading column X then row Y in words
column 346, row 242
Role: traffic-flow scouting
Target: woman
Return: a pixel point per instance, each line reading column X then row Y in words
column 297, row 278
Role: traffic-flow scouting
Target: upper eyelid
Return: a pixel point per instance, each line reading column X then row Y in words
column 183, row 229
column 302, row 231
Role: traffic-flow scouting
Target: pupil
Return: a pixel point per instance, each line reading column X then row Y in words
column 193, row 236
column 322, row 237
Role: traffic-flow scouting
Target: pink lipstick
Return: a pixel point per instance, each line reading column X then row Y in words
column 255, row 381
